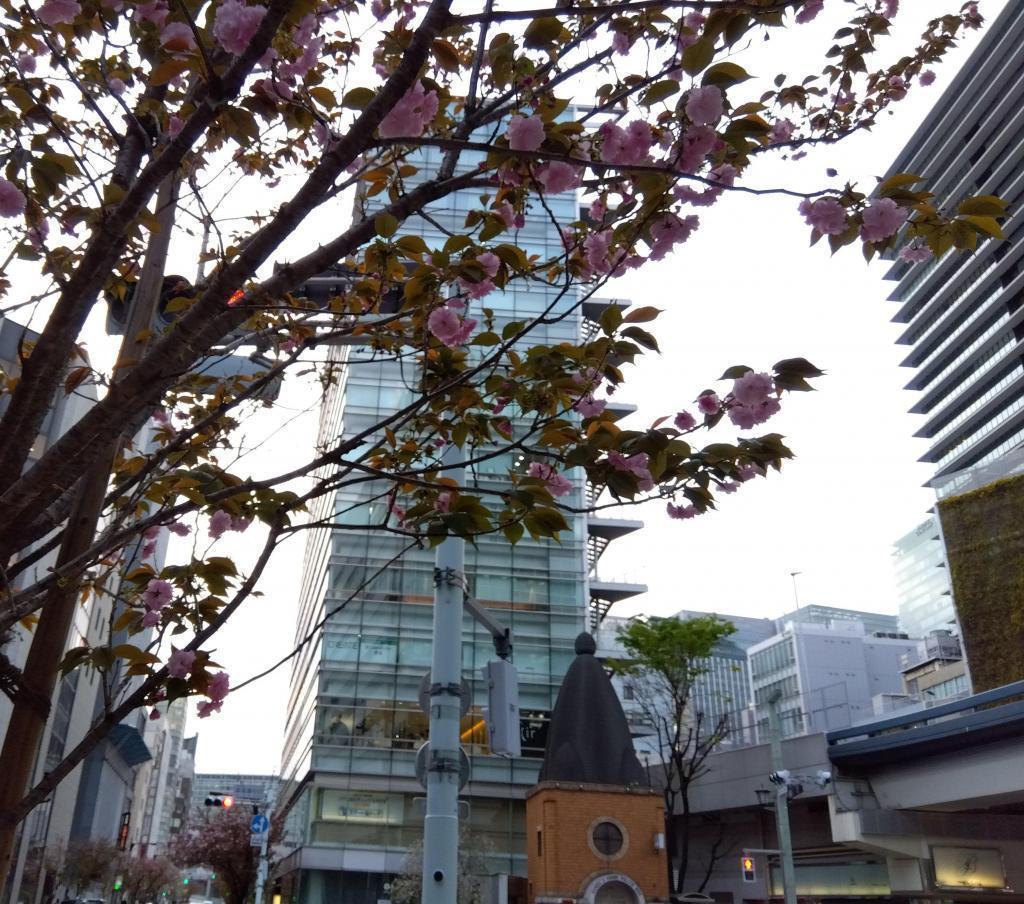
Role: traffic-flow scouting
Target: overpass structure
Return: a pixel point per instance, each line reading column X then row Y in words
column 924, row 805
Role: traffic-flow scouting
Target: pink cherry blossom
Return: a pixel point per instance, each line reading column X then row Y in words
column 152, row 532
column 631, row 145
column 154, row 715
column 182, row 530
column 596, row 247
column 507, row 213
column 116, row 86
column 235, row 24
column 151, row 619
column 445, row 324
column 557, row 484
column 705, row 105
column 27, row 63
column 180, row 664
column 752, row 388
column 240, row 524
column 708, row 403
column 177, row 38
column 826, row 215
column 681, row 512
column 557, row 177
column 620, row 43
column 669, row 231
column 697, row 143
column 748, row 472
column 525, row 133
column 728, row 487
column 747, row 416
column 809, row 11
column 588, row 406
column 148, row 549
column 399, row 513
column 480, row 289
column 59, row 12
column 443, row 503
column 635, row 465
column 882, row 218
column 12, row 199
column 218, row 687
column 220, row 521
column 890, row 8
column 158, row 593
column 378, row 9
column 926, row 78
column 897, row 87
column 174, row 125
column 914, row 254
column 208, row 708
column 155, row 11
column 410, row 116
column 684, row 421
column 597, row 210
column 490, row 262
column 781, row 131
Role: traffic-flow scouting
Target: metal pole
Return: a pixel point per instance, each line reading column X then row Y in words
column 441, row 825
column 781, row 803
column 264, row 863
column 796, row 595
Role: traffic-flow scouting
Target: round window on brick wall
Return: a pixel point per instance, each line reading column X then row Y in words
column 607, row 838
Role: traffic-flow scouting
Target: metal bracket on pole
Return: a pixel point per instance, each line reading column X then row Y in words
column 452, row 690
column 449, row 577
column 501, row 635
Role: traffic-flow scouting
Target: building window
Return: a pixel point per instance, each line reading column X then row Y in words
column 607, row 838
column 540, row 843
column 627, row 692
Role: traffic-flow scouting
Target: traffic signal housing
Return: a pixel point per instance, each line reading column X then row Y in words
column 749, row 868
column 218, row 799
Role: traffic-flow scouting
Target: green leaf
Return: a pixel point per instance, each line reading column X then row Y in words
column 412, row 244
column 659, row 91
column 642, row 337
column 735, row 372
column 988, row 225
column 513, row 532
column 611, row 319
column 168, row 70
column 542, row 32
column 983, row 206
column 358, row 98
column 697, row 56
column 384, row 224
column 725, row 74
column 899, row 180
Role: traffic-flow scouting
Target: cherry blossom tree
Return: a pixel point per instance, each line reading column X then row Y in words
column 144, row 878
column 131, row 128
column 221, row 842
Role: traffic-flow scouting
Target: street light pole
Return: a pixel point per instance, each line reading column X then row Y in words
column 441, row 825
column 781, row 802
column 796, row 595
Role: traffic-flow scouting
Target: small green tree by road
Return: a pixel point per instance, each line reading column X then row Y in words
column 666, row 657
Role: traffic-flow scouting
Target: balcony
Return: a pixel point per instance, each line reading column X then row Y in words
column 604, row 594
column 602, row 530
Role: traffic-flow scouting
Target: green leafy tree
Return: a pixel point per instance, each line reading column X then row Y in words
column 235, row 137
column 665, row 658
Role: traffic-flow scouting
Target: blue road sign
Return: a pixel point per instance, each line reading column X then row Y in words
column 259, row 824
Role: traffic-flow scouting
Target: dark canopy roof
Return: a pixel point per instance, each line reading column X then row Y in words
column 588, row 739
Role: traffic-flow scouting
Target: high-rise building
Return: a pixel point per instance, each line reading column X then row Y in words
column 354, row 718
column 723, row 691
column 815, row 614
column 922, row 581
column 827, row 673
column 963, row 314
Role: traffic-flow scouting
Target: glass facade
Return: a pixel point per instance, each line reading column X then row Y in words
column 354, row 721
column 922, row 581
column 965, row 313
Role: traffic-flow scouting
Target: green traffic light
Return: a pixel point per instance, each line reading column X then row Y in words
column 184, row 881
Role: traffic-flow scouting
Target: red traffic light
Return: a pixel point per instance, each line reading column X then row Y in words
column 228, row 801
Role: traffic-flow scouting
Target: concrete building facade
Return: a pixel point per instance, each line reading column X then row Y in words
column 828, row 674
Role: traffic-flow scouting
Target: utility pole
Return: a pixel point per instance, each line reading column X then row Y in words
column 441, row 825
column 264, row 862
column 781, row 802
column 32, row 706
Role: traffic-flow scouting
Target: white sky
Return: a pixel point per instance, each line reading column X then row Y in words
column 745, row 289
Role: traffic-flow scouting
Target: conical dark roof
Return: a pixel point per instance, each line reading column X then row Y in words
column 588, row 739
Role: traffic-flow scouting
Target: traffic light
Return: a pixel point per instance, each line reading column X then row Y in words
column 218, row 799
column 185, row 881
column 748, row 869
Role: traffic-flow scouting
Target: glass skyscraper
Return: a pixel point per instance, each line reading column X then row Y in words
column 354, row 721
column 963, row 314
column 922, row 581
